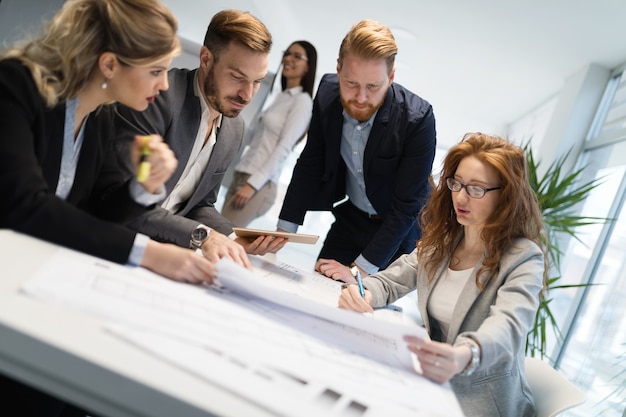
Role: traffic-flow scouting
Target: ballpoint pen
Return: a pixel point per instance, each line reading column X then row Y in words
column 359, row 279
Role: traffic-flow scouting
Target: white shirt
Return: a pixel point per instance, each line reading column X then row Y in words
column 198, row 159
column 273, row 135
column 445, row 295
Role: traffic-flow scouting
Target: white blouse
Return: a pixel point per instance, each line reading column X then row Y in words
column 445, row 295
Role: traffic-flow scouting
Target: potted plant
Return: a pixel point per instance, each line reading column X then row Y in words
column 559, row 194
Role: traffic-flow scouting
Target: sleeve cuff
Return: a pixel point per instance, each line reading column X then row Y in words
column 141, row 196
column 287, row 226
column 139, row 247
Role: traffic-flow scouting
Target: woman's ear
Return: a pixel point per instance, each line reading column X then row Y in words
column 108, row 64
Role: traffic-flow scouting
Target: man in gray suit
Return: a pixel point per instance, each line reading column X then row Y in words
column 198, row 116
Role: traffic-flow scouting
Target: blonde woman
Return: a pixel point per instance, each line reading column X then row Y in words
column 59, row 180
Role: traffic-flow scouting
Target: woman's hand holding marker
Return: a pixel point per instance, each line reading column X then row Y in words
column 155, row 161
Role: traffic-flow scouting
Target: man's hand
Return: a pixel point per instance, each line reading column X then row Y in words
column 335, row 270
column 219, row 246
column 262, row 244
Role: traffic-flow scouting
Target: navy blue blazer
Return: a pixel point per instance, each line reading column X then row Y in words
column 31, row 145
column 397, row 165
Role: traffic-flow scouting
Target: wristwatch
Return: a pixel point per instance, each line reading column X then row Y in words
column 474, row 362
column 198, row 236
column 353, row 270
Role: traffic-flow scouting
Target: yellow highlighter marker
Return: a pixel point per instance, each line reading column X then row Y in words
column 144, row 165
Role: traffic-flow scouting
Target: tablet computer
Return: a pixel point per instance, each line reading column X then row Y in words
column 293, row 237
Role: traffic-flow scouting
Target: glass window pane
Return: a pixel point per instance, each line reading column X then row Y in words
column 594, row 359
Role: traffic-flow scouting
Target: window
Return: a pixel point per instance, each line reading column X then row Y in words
column 593, row 354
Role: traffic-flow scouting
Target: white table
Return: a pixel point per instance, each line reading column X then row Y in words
column 69, row 354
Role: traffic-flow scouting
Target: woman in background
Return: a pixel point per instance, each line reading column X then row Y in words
column 478, row 269
column 272, row 137
column 59, row 180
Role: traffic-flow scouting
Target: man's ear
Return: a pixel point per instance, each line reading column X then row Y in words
column 206, row 57
column 338, row 67
column 392, row 75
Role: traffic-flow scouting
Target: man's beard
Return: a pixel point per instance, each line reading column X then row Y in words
column 212, row 93
column 360, row 115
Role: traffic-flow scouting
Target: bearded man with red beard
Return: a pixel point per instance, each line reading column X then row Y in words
column 370, row 140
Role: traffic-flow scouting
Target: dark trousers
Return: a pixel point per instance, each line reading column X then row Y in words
column 350, row 234
column 25, row 401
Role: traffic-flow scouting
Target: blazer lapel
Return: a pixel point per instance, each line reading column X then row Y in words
column 183, row 142
column 379, row 127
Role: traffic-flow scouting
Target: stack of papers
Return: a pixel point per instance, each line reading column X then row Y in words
column 261, row 334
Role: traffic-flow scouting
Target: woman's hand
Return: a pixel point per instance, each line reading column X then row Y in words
column 439, row 361
column 335, row 270
column 242, row 196
column 178, row 263
column 161, row 161
column 350, row 299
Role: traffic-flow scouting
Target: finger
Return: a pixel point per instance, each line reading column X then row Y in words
column 241, row 258
column 320, row 262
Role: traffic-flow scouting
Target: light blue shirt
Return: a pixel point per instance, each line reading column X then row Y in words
column 354, row 137
column 353, row 141
column 69, row 162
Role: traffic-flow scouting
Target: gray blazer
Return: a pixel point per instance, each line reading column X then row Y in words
column 498, row 318
column 175, row 115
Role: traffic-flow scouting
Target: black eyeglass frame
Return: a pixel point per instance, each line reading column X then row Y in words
column 453, row 183
column 296, row 55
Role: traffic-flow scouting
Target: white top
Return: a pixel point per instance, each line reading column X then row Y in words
column 273, row 135
column 445, row 295
column 198, row 159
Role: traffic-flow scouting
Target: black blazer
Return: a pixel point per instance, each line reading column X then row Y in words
column 397, row 164
column 31, row 143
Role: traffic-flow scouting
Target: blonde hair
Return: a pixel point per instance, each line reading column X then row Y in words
column 369, row 40
column 236, row 26
column 63, row 57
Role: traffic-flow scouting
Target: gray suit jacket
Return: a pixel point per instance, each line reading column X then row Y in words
column 498, row 318
column 175, row 115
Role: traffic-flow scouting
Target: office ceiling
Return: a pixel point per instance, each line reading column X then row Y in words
column 482, row 64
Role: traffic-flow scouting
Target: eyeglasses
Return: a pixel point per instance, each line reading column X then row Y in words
column 474, row 191
column 296, row 55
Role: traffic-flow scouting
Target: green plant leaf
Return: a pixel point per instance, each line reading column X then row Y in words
column 559, row 195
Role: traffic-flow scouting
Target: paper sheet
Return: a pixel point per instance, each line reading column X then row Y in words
column 381, row 340
column 261, row 350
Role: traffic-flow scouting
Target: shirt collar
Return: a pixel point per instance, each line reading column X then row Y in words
column 354, row 121
column 293, row 90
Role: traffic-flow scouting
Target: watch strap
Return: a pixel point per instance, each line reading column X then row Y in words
column 474, row 361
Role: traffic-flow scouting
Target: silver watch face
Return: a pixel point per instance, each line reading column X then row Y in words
column 199, row 234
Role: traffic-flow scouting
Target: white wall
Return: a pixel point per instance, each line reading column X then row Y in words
column 22, row 18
